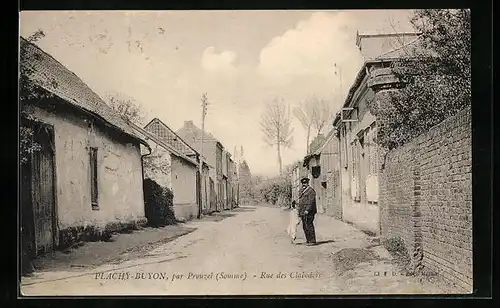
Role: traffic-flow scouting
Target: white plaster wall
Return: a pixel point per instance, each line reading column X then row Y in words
column 372, row 188
column 184, row 188
column 120, row 193
column 362, row 215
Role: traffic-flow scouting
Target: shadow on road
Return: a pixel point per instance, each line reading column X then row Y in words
column 324, row 242
column 244, row 209
column 317, row 243
column 216, row 216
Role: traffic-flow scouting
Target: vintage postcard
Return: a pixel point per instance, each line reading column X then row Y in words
column 245, row 152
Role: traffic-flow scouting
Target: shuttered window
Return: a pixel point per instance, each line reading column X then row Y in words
column 373, row 159
column 93, row 178
column 353, row 158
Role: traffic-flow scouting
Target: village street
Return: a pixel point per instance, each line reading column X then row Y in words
column 242, row 255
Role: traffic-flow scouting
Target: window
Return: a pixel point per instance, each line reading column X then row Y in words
column 369, row 149
column 373, row 159
column 353, row 158
column 93, row 178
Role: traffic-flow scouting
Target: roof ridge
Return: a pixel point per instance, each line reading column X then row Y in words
column 162, row 143
column 71, row 88
column 171, row 130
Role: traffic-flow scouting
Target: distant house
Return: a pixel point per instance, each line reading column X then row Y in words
column 297, row 173
column 226, row 180
column 87, row 178
column 322, row 165
column 212, row 151
column 174, row 167
column 189, row 196
column 233, row 184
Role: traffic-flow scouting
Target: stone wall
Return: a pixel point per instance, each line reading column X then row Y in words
column 426, row 199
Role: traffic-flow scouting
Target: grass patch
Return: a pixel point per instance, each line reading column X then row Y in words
column 348, row 258
column 397, row 248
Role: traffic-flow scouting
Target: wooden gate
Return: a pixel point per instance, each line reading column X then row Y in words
column 43, row 190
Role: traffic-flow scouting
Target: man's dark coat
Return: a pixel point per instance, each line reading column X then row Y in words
column 307, row 201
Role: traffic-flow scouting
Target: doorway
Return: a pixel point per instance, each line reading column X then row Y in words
column 38, row 200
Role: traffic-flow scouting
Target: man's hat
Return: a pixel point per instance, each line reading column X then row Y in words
column 304, row 180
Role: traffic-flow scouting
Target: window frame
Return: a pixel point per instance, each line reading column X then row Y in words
column 94, row 177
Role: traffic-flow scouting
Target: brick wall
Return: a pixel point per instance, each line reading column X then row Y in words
column 396, row 195
column 426, row 198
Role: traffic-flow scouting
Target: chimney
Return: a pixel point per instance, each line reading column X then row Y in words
column 375, row 45
column 188, row 124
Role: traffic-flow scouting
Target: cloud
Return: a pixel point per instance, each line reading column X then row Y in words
column 212, row 61
column 311, row 49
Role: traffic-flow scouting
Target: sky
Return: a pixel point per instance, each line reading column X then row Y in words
column 166, row 60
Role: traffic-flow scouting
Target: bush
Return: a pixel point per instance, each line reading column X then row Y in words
column 397, row 248
column 276, row 191
column 158, row 204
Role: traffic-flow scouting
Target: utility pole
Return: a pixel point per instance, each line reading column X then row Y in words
column 204, row 105
column 339, row 71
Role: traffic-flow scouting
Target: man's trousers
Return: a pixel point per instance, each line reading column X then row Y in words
column 308, row 226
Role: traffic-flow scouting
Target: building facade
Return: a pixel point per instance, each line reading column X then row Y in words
column 87, row 177
column 356, row 129
column 322, row 166
column 213, row 154
column 173, row 166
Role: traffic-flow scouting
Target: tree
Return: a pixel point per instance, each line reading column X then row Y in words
column 436, row 77
column 276, row 126
column 306, row 114
column 127, row 107
column 313, row 113
column 324, row 115
column 245, row 180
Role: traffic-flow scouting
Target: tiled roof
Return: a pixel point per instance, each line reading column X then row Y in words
column 192, row 135
column 156, row 139
column 328, row 137
column 51, row 75
column 160, row 129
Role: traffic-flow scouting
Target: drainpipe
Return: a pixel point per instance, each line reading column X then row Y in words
column 142, row 172
column 340, row 173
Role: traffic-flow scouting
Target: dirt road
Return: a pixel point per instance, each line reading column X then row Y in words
column 247, row 254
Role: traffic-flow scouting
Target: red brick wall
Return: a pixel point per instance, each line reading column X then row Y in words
column 426, row 198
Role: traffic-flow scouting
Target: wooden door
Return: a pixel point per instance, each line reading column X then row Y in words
column 213, row 197
column 42, row 190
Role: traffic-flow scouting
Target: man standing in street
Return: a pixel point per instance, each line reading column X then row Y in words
column 307, row 210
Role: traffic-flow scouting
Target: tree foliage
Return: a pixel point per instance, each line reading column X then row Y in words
column 275, row 191
column 127, row 107
column 29, row 95
column 276, row 126
column 245, row 182
column 436, row 77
